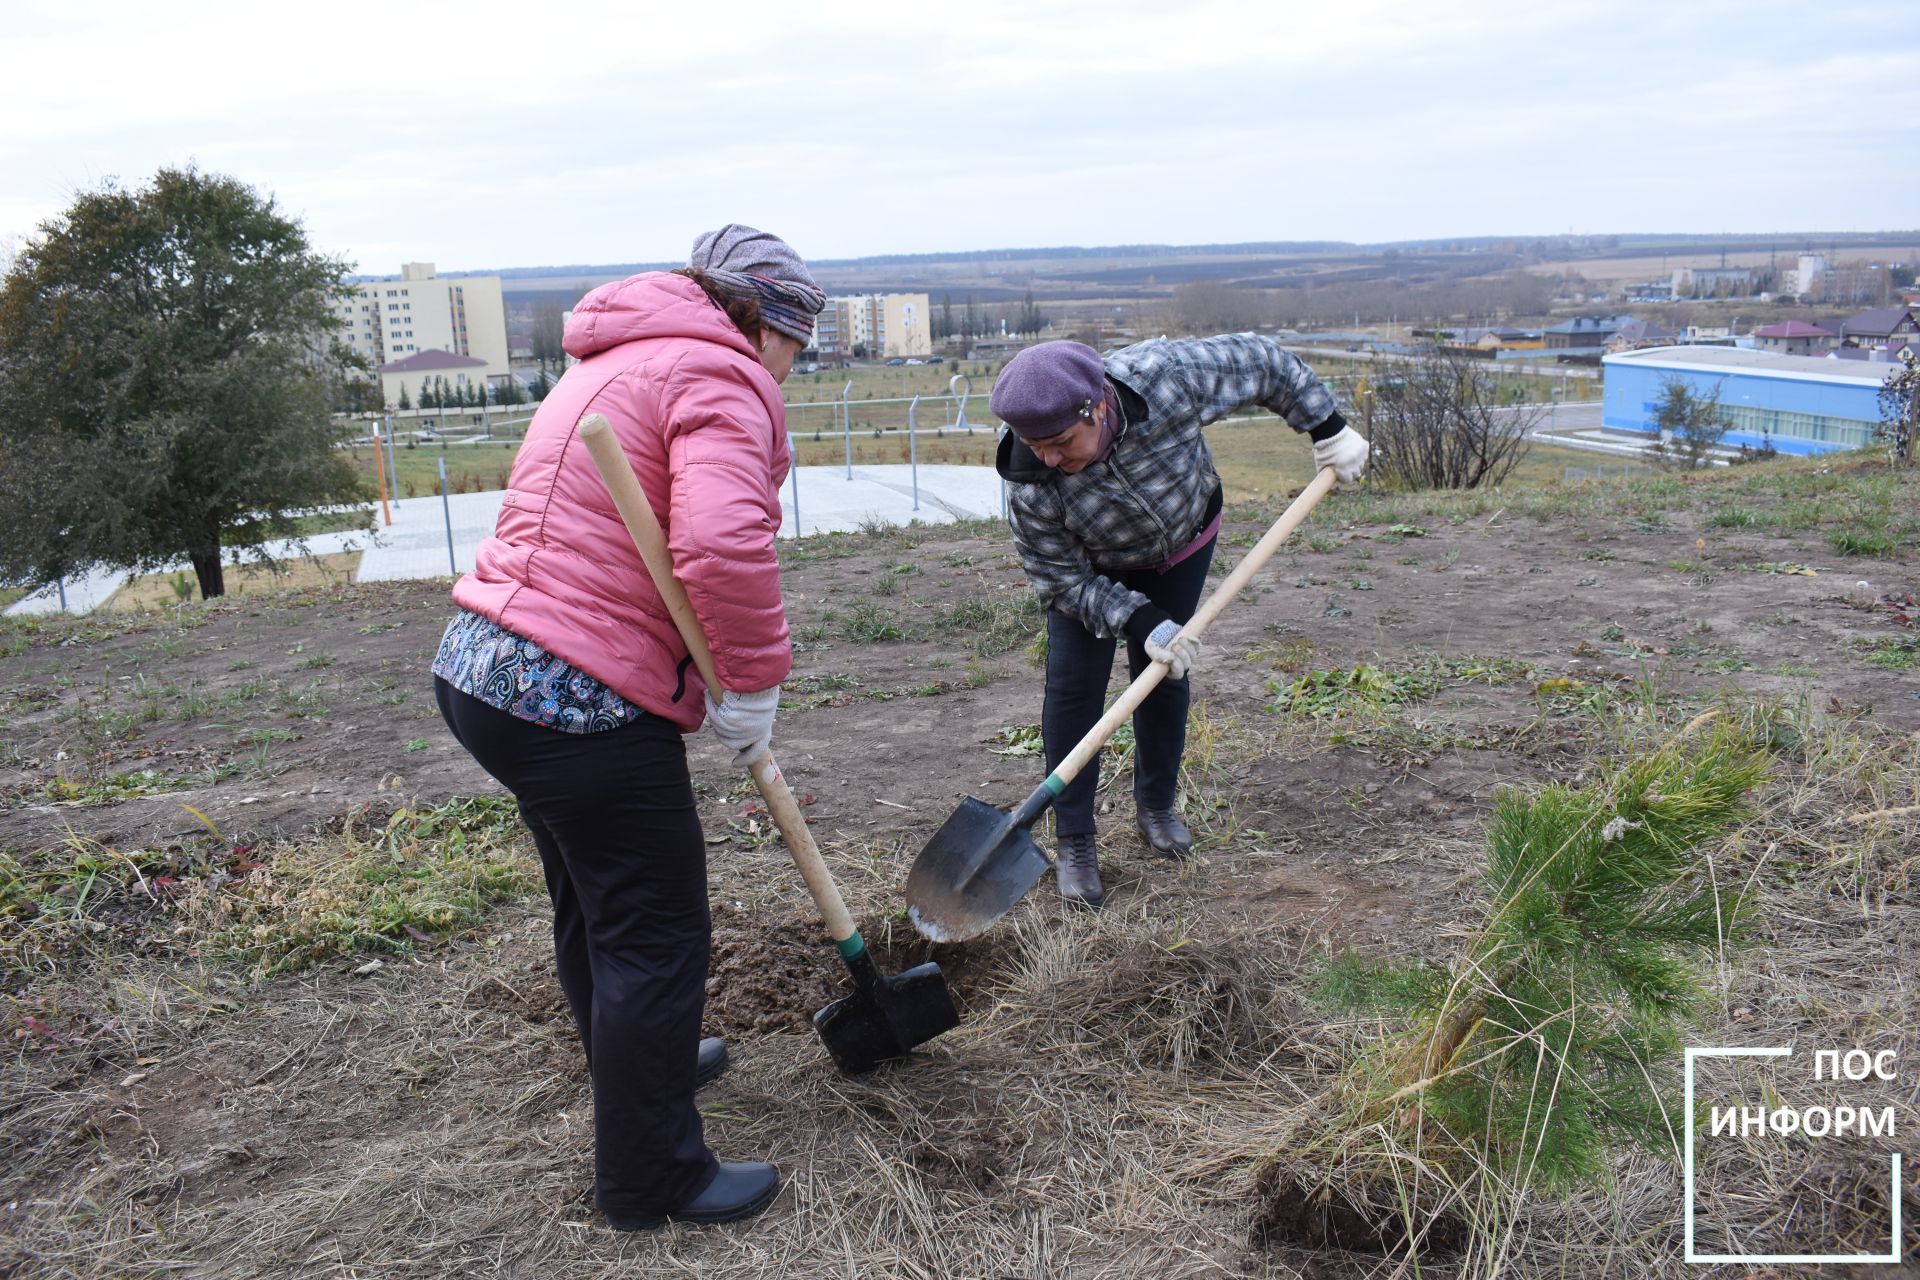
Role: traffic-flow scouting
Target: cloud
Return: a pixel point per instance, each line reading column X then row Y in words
column 486, row 134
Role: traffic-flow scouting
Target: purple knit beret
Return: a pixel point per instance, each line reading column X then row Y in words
column 1048, row 387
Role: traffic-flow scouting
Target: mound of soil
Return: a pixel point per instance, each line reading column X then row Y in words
column 773, row 972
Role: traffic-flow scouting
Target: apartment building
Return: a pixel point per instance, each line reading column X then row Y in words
column 390, row 321
column 884, row 325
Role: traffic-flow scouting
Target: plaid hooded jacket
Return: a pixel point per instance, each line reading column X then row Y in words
column 1150, row 495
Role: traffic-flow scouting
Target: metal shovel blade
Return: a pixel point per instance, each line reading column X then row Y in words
column 972, row 872
column 885, row 1017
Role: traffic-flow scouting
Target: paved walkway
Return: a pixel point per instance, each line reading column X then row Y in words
column 415, row 545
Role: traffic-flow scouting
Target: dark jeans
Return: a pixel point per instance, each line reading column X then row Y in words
column 1078, row 666
column 613, row 816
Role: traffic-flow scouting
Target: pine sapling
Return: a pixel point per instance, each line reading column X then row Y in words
column 1553, row 1036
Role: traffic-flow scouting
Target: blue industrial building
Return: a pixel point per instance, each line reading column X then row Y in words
column 1799, row 404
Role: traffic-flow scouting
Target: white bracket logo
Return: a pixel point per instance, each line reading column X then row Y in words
column 1893, row 1252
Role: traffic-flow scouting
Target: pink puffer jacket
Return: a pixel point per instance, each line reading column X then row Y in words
column 705, row 428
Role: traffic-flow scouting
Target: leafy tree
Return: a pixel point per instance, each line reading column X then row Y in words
column 404, row 402
column 541, row 385
column 1692, row 425
column 166, row 364
column 355, row 393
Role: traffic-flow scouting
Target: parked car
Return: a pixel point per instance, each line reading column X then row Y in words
column 897, row 360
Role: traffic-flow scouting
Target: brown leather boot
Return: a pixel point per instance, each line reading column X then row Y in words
column 1165, row 832
column 1077, row 868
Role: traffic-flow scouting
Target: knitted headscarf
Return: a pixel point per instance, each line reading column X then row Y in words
column 745, row 263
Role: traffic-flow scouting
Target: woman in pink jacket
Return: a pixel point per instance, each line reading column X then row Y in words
column 564, row 676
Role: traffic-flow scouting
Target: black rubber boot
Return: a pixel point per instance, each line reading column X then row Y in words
column 712, row 1063
column 737, row 1191
column 1077, row 868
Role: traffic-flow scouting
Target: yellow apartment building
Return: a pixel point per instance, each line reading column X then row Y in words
column 390, row 321
column 887, row 325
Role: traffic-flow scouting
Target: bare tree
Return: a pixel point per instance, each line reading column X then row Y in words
column 547, row 333
column 1436, row 422
column 1900, row 408
column 1212, row 306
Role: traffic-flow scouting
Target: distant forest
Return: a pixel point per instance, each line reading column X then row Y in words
column 1563, row 248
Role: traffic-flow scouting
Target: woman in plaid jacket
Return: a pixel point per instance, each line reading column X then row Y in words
column 1115, row 506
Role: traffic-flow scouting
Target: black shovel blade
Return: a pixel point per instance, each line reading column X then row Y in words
column 887, row 1019
column 978, row 864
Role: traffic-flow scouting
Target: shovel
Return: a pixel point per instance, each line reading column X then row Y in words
column 982, row 861
column 884, row 1017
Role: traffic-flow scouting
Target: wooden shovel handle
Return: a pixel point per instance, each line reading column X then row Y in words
column 1203, row 617
column 631, row 501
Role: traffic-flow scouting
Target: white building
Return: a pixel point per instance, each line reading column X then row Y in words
column 389, row 321
column 1810, row 278
column 885, row 325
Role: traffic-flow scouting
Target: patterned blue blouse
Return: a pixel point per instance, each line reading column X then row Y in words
column 480, row 657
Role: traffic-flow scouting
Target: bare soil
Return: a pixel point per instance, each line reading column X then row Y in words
column 432, row 1118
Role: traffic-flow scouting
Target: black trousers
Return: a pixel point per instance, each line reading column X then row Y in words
column 613, row 817
column 1079, row 664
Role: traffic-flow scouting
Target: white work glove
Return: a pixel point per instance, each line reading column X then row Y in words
column 1345, row 451
column 744, row 722
column 1166, row 644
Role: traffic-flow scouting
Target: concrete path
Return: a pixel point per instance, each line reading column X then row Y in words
column 415, row 544
column 89, row 591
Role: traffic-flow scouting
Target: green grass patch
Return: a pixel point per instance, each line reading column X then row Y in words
column 130, row 785
column 426, row 875
column 1361, row 689
column 870, row 623
column 1902, row 653
column 1734, row 518
column 992, row 624
column 1863, row 542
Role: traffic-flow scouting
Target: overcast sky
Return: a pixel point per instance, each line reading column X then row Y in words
column 486, row 135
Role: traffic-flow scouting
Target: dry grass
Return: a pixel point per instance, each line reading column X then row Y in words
column 162, row 590
column 1104, row 1110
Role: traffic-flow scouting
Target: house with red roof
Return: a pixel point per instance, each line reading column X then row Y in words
column 430, row 368
column 1795, row 338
